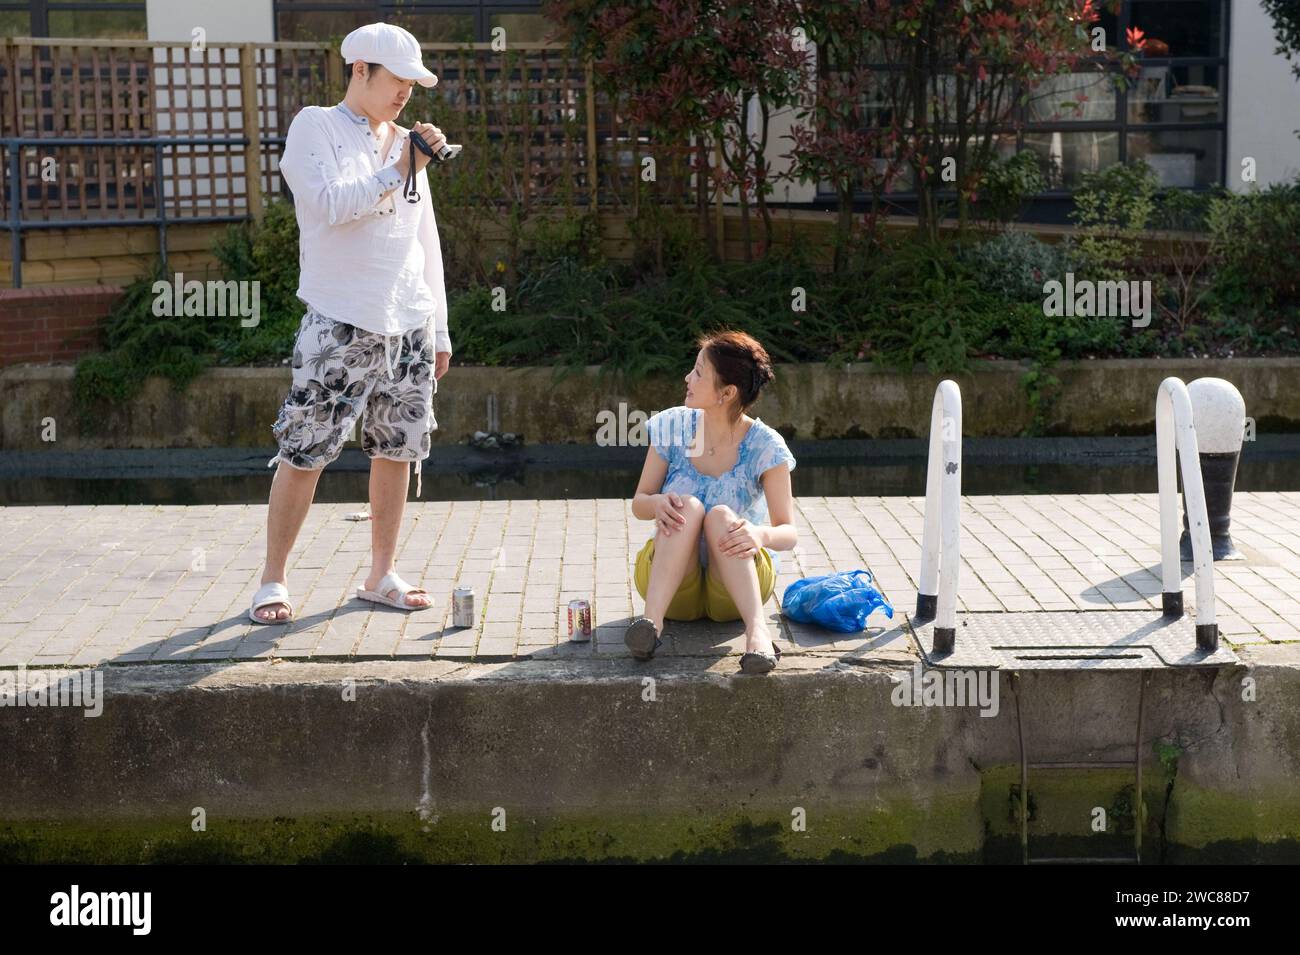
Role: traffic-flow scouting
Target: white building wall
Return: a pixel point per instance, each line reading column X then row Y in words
column 236, row 21
column 1263, row 100
column 232, row 21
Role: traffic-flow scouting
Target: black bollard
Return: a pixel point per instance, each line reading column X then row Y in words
column 1219, row 414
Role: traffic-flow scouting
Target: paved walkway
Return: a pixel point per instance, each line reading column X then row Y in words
column 82, row 585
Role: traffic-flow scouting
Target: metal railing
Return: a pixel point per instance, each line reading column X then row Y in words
column 13, row 146
column 936, row 598
column 1175, row 430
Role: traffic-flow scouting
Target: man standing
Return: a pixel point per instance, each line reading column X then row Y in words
column 374, row 340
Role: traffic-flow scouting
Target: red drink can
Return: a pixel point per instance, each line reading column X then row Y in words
column 579, row 621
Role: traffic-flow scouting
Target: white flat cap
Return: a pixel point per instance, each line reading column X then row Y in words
column 393, row 48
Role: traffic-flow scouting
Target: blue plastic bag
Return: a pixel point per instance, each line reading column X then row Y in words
column 840, row 602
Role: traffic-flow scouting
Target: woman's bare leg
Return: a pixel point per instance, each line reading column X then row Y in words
column 675, row 554
column 740, row 577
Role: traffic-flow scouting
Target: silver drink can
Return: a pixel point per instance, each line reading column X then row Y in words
column 462, row 607
column 579, row 621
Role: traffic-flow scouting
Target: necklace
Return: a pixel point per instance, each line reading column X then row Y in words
column 713, row 449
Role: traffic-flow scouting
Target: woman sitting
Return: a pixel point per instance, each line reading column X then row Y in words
column 712, row 475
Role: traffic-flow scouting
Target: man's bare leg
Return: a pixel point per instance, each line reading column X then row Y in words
column 389, row 481
column 292, row 491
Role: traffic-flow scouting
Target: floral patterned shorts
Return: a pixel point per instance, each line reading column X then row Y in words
column 342, row 373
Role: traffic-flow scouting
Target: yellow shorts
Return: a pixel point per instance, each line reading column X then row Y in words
column 702, row 594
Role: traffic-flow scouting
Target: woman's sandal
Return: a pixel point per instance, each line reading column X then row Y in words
column 393, row 581
column 760, row 662
column 268, row 594
column 642, row 639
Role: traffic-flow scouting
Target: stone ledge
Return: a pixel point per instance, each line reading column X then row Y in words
column 235, row 407
column 441, row 747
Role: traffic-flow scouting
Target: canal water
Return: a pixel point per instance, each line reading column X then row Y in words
column 826, row 468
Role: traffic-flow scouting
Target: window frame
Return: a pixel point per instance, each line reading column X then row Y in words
column 39, row 11
column 482, row 10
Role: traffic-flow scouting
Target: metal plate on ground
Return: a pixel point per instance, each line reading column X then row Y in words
column 1071, row 640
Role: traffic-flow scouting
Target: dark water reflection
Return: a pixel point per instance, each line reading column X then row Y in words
column 991, row 466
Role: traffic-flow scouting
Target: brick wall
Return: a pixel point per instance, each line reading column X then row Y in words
column 45, row 325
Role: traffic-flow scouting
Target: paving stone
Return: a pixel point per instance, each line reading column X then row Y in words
column 132, row 590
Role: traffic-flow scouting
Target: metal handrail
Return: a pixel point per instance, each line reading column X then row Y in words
column 936, row 597
column 1176, row 429
column 16, row 226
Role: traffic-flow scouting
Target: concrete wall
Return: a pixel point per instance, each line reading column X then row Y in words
column 235, row 407
column 578, row 763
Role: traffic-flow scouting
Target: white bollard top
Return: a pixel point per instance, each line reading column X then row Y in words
column 1219, row 413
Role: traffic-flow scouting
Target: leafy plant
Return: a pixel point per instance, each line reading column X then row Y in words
column 1006, row 186
column 1113, row 207
column 267, row 253
column 1015, row 264
column 1286, row 29
column 1256, row 237
column 1182, row 288
column 138, row 343
column 1168, row 754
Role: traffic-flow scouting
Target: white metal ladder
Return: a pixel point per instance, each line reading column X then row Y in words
column 940, row 565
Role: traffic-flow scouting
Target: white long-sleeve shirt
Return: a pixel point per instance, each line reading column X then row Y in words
column 370, row 263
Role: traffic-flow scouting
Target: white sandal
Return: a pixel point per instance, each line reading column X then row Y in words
column 393, row 581
column 272, row 593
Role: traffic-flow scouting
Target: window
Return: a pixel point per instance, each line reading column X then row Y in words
column 450, row 21
column 1173, row 115
column 15, row 20
column 74, row 18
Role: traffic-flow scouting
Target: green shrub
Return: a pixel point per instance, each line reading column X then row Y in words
column 1015, row 264
column 547, row 239
column 137, row 343
column 1008, row 184
column 917, row 300
column 267, row 253
column 1181, row 277
column 1256, row 238
column 664, row 239
column 1113, row 207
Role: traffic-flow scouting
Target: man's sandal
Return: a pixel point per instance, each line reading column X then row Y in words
column 641, row 638
column 393, row 581
column 760, row 662
column 268, row 594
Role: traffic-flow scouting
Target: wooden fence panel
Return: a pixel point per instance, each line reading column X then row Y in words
column 529, row 106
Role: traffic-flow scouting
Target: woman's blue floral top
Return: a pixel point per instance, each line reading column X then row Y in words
column 672, row 434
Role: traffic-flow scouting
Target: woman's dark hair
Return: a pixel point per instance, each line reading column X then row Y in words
column 738, row 359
